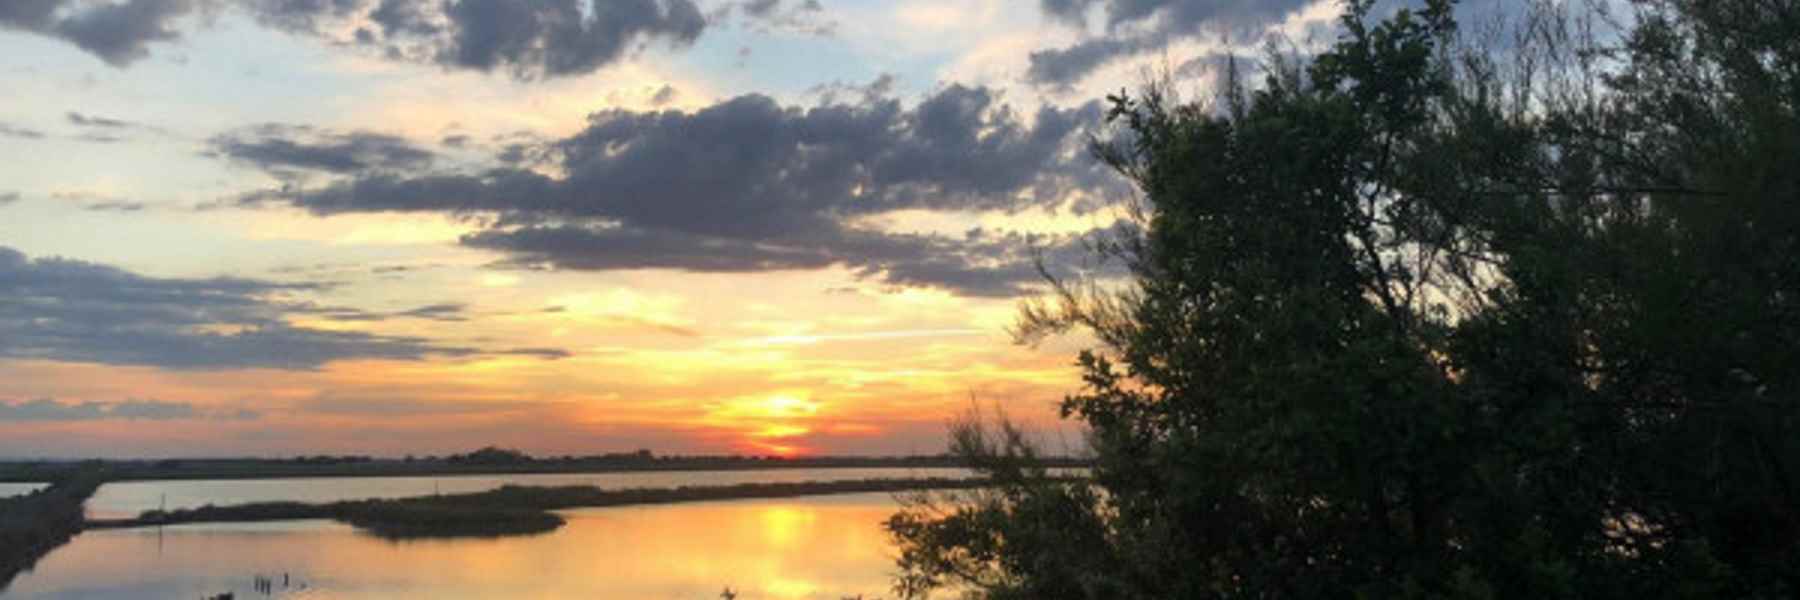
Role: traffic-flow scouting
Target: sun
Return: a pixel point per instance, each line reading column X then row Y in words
column 787, row 407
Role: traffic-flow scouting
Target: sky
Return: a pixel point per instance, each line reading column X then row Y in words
column 389, row 227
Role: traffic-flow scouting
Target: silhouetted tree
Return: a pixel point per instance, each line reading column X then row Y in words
column 1432, row 315
column 491, row 455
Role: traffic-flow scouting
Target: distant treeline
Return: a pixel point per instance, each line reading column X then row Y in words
column 489, row 460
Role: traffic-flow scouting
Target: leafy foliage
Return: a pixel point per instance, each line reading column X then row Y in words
column 1430, row 316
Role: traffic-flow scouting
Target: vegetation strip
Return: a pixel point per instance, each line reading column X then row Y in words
column 508, row 510
column 33, row 524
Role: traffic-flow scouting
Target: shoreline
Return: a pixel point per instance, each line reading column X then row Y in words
column 252, row 469
column 36, row 523
column 508, row 510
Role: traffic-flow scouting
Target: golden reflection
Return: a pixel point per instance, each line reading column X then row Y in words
column 824, row 548
column 783, row 526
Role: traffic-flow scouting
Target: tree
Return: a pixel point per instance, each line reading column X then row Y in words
column 1420, row 317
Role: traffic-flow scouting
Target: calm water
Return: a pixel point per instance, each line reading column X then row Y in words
column 116, row 500
column 19, row 489
column 819, row 547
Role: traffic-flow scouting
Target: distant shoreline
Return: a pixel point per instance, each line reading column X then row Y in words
column 244, row 469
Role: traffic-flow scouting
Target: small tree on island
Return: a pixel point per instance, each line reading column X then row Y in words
column 1424, row 317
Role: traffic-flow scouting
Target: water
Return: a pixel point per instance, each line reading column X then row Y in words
column 824, row 547
column 121, row 500
column 8, row 490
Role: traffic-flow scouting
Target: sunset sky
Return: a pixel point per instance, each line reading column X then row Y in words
column 269, row 227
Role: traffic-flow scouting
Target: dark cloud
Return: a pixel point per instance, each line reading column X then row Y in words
column 541, row 353
column 552, row 37
column 528, row 38
column 437, row 312
column 1133, row 27
column 286, row 149
column 116, row 32
column 305, row 16
column 803, row 17
column 46, row 409
column 1175, row 14
column 8, row 198
column 663, row 95
column 69, row 310
column 1067, row 65
column 751, row 185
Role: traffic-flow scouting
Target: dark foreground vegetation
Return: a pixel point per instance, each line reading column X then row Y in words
column 1440, row 312
column 486, row 461
column 509, row 510
column 33, row 524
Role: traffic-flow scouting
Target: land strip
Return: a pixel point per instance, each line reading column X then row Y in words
column 508, row 510
column 33, row 524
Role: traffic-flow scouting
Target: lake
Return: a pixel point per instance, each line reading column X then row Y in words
column 121, row 500
column 822, row 547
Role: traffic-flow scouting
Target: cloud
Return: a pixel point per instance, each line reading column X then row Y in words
column 1132, row 27
column 95, row 202
column 284, row 150
column 663, row 95
column 551, row 37
column 96, row 121
column 117, row 32
column 448, row 312
column 1067, row 65
column 115, row 206
column 8, row 198
column 377, row 406
column 76, row 311
column 528, row 38
column 803, row 17
column 750, row 185
column 108, row 130
column 542, row 353
column 13, row 131
column 46, row 409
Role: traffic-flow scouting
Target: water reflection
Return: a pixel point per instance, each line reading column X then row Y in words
column 819, row 547
column 120, row 500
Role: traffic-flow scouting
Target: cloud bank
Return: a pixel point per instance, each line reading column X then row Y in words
column 47, row 409
column 748, row 184
column 76, row 311
column 528, row 38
